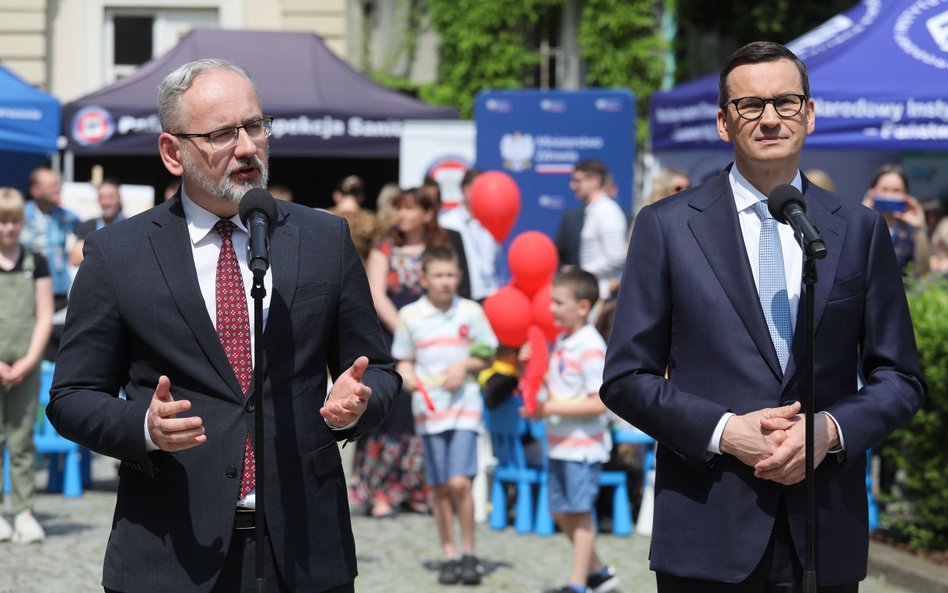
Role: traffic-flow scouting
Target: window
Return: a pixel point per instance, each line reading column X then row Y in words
column 134, row 36
column 132, row 39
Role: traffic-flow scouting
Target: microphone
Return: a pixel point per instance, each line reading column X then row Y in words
column 257, row 209
column 786, row 205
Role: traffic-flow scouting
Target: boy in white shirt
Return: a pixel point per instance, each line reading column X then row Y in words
column 578, row 440
column 442, row 341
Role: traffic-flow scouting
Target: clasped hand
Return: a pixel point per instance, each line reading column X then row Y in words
column 772, row 441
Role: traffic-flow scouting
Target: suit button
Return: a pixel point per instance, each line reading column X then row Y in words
column 231, row 472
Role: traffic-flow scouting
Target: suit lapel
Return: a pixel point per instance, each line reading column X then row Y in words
column 172, row 246
column 820, row 207
column 285, row 255
column 718, row 233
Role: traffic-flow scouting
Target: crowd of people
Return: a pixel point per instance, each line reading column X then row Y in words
column 697, row 356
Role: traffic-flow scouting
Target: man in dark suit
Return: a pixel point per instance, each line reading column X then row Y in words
column 147, row 316
column 729, row 493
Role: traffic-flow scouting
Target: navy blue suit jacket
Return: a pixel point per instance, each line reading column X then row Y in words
column 688, row 303
column 135, row 313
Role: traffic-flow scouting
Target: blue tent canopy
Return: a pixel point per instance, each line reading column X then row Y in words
column 878, row 76
column 29, row 118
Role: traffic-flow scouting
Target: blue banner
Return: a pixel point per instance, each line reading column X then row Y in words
column 537, row 137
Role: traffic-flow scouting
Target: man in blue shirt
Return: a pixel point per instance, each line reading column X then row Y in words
column 50, row 230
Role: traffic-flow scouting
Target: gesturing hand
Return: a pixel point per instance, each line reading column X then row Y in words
column 349, row 396
column 168, row 432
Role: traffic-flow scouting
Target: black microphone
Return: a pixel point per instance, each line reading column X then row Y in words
column 786, row 205
column 257, row 209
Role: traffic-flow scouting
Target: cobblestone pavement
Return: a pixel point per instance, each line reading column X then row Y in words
column 395, row 555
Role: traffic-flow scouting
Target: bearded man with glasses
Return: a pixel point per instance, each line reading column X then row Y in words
column 160, row 309
column 709, row 296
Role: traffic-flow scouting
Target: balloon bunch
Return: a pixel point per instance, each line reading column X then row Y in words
column 522, row 308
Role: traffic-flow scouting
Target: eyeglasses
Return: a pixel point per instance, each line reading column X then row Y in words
column 227, row 137
column 752, row 108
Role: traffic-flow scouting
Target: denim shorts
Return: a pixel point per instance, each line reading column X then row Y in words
column 450, row 453
column 574, row 485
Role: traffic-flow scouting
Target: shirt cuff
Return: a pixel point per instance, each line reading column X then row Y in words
column 338, row 428
column 839, row 432
column 714, row 447
column 149, row 444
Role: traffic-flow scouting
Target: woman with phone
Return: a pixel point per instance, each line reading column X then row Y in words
column 888, row 194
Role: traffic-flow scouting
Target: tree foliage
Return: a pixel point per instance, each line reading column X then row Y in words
column 483, row 46
column 709, row 31
column 920, row 449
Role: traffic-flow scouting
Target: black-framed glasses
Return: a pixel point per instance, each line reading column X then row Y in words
column 752, row 108
column 227, row 137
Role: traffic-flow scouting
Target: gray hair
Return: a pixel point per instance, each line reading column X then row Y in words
column 173, row 87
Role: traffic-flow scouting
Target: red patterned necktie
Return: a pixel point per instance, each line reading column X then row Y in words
column 233, row 329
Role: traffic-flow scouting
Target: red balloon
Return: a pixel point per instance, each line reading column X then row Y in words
column 495, row 202
column 508, row 311
column 532, row 260
column 542, row 317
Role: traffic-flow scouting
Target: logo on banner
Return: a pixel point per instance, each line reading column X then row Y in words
column 517, row 151
column 921, row 31
column 498, row 106
column 613, row 105
column 553, row 106
column 92, row 125
column 448, row 172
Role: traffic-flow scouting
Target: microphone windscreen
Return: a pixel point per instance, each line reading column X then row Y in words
column 782, row 195
column 257, row 199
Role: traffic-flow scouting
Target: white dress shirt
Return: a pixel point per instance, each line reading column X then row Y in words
column 745, row 196
column 206, row 248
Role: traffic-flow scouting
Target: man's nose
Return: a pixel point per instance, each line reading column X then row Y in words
column 245, row 144
column 769, row 116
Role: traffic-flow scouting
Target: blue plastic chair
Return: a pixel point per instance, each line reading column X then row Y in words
column 634, row 437
column 871, row 500
column 617, row 480
column 69, row 464
column 506, row 428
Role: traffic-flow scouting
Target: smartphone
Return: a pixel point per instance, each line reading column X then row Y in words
column 888, row 204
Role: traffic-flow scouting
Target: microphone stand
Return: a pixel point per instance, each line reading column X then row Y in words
column 258, row 292
column 809, row 282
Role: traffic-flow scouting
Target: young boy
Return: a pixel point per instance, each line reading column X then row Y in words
column 26, row 320
column 577, row 440
column 441, row 342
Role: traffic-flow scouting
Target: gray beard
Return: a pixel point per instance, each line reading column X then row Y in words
column 226, row 189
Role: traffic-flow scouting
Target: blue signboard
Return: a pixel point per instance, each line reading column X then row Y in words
column 537, row 137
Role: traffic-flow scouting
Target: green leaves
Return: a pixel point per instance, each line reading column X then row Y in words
column 920, row 449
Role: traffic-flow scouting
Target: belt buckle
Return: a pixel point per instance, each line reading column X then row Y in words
column 244, row 519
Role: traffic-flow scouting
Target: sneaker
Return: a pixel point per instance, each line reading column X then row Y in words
column 26, row 529
column 6, row 532
column 470, row 570
column 604, row 580
column 567, row 589
column 449, row 573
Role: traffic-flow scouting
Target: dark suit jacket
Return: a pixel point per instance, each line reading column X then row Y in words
column 688, row 303
column 567, row 236
column 135, row 313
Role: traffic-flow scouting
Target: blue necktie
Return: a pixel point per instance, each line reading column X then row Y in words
column 773, row 285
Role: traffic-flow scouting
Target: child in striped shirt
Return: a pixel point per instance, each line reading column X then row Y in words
column 442, row 341
column 578, row 440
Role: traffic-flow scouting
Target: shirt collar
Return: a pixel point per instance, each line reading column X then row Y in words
column 200, row 221
column 430, row 310
column 746, row 195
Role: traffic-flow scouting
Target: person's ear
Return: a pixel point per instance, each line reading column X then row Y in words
column 170, row 149
column 584, row 306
